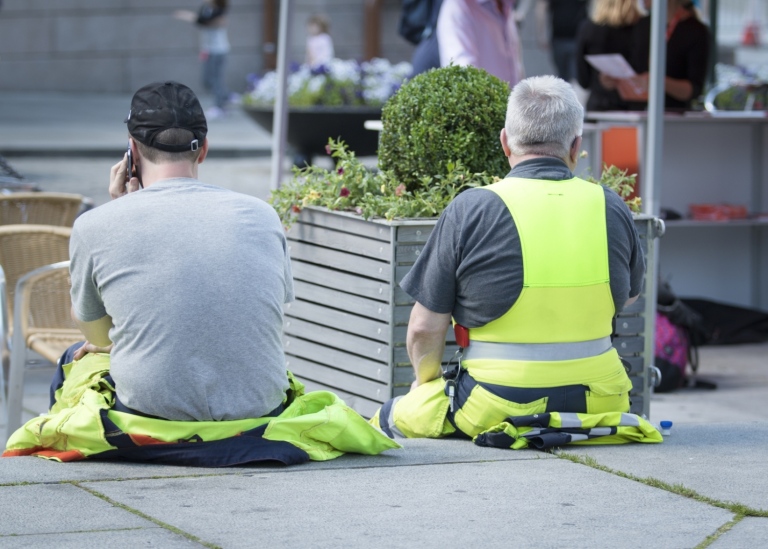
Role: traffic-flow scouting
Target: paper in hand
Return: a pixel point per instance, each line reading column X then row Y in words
column 611, row 64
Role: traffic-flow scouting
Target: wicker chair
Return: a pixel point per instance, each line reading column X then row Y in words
column 42, row 323
column 24, row 248
column 41, row 208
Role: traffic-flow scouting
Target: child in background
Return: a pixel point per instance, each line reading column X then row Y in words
column 214, row 47
column 319, row 42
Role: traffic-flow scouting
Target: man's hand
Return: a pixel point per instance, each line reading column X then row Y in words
column 91, row 348
column 119, row 185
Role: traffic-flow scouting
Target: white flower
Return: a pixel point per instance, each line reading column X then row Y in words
column 375, row 81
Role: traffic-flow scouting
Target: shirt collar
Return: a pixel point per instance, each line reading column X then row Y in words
column 543, row 167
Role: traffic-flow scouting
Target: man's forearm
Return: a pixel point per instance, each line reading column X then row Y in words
column 426, row 342
column 678, row 88
column 426, row 355
column 97, row 331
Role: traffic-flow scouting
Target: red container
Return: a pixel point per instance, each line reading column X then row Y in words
column 717, row 212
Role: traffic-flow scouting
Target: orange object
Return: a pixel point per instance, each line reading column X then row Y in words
column 620, row 149
column 717, row 212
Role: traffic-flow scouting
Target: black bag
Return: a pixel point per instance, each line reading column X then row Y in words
column 729, row 324
column 415, row 19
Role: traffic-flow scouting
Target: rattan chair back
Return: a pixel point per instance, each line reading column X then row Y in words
column 41, row 208
column 24, row 248
column 44, row 313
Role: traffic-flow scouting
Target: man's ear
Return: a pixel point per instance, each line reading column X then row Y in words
column 504, row 144
column 134, row 151
column 203, row 151
column 575, row 150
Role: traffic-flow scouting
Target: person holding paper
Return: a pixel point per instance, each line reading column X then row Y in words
column 687, row 58
column 609, row 30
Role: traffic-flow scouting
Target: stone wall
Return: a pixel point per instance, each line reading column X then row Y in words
column 115, row 46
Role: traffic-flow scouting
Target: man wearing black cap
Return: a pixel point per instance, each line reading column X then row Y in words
column 182, row 281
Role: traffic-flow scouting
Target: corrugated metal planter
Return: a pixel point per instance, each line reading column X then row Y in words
column 346, row 330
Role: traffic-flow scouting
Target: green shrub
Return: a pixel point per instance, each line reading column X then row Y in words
column 440, row 137
column 444, row 117
column 351, row 186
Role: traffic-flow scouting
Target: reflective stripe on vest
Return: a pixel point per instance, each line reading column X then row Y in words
column 479, row 350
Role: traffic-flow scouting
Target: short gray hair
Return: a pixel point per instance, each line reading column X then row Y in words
column 544, row 117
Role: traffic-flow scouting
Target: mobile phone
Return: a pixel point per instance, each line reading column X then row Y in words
column 131, row 168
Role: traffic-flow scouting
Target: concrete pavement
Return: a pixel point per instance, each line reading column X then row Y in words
column 705, row 486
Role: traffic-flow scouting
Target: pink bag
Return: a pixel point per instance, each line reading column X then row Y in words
column 671, row 354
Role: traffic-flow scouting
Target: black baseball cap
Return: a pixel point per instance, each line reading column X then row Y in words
column 163, row 105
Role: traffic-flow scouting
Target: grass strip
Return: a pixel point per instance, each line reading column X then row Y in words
column 679, row 489
column 738, row 509
column 153, row 520
column 720, row 531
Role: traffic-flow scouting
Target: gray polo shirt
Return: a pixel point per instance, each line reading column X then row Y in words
column 194, row 277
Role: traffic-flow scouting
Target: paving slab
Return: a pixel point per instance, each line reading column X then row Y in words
column 414, row 453
column 749, row 532
column 725, row 462
column 48, row 509
column 60, row 124
column 114, row 539
column 525, row 503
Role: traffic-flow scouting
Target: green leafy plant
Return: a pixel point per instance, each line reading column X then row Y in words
column 440, row 136
column 442, row 118
column 351, row 186
column 622, row 183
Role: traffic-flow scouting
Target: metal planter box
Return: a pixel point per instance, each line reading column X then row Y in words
column 345, row 332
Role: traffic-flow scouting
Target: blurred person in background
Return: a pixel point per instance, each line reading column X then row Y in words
column 557, row 24
column 319, row 43
column 214, row 48
column 481, row 33
column 688, row 45
column 609, row 30
column 427, row 53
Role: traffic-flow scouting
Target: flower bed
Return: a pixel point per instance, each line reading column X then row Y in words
column 340, row 83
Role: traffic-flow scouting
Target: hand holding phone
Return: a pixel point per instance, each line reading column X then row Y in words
column 124, row 177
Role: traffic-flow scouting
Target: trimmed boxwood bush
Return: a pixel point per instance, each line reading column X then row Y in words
column 443, row 117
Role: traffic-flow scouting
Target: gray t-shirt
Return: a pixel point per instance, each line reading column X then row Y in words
column 194, row 277
column 472, row 264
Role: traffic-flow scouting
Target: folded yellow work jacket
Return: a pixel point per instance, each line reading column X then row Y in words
column 82, row 424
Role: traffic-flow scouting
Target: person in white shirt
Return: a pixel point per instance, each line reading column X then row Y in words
column 319, row 42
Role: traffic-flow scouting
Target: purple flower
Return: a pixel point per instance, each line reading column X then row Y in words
column 344, row 192
column 340, row 171
column 327, row 149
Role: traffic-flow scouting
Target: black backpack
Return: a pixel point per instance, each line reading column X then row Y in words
column 415, row 20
